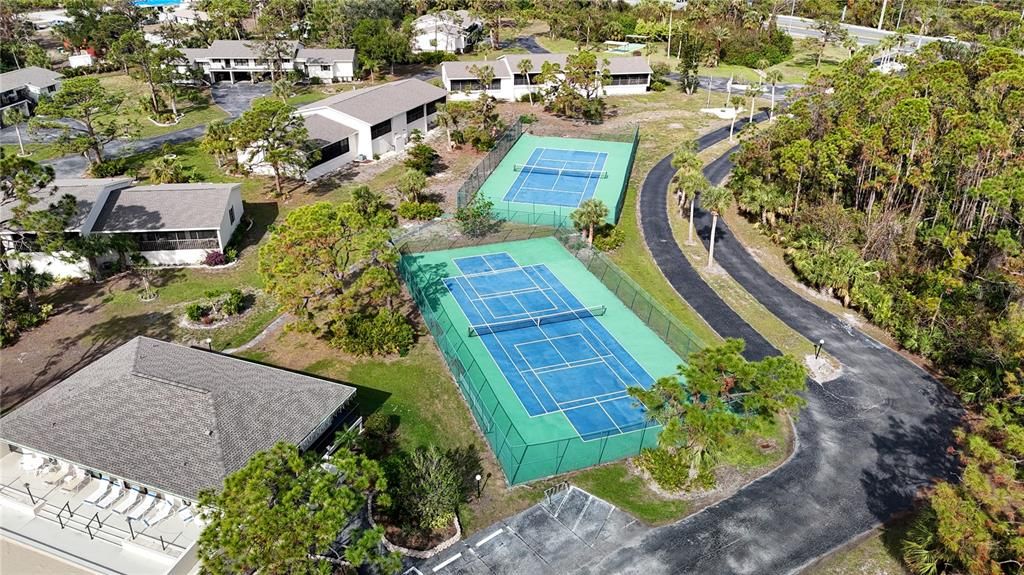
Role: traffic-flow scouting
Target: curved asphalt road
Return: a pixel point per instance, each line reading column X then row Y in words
column 866, row 441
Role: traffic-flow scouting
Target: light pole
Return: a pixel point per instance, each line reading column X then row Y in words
column 209, row 343
column 817, row 348
column 479, row 487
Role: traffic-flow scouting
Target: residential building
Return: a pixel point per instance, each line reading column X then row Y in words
column 171, row 224
column 628, row 75
column 360, row 124
column 453, row 31
column 242, row 60
column 22, row 89
column 104, row 469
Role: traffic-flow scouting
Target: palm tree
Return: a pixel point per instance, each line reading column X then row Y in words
column 372, row 66
column 738, row 102
column 755, row 90
column 218, row 142
column 715, row 200
column 773, row 77
column 14, row 117
column 719, row 34
column 525, row 66
column 282, row 89
column 167, row 170
column 588, row 215
column 448, row 121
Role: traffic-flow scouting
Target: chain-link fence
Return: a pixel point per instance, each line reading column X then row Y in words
column 486, row 167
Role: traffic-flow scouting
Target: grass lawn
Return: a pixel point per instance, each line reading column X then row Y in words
column 137, row 91
column 39, row 152
column 877, row 554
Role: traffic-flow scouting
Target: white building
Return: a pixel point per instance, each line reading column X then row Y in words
column 103, row 470
column 451, row 31
column 628, row 75
column 241, row 60
column 171, row 224
column 363, row 123
column 22, row 89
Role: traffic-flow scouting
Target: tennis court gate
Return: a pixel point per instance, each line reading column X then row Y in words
column 521, row 461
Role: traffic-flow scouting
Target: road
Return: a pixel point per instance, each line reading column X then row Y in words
column 804, row 28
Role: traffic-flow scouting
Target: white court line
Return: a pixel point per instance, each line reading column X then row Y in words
column 447, row 562
column 489, row 537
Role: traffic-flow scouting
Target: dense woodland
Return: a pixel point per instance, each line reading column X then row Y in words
column 903, row 196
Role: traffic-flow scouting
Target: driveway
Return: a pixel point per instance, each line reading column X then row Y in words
column 75, row 166
column 237, row 98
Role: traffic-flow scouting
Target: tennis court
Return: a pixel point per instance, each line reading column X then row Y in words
column 557, row 177
column 542, row 351
column 542, row 179
column 549, row 346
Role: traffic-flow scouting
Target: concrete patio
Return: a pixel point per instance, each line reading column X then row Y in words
column 41, row 515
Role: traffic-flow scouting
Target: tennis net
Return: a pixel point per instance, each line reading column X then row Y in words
column 486, row 328
column 559, row 171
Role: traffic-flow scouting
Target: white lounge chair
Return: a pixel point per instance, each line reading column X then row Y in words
column 101, row 490
column 186, row 514
column 75, row 480
column 162, row 511
column 115, row 493
column 56, row 473
column 142, row 508
column 32, row 461
column 128, row 502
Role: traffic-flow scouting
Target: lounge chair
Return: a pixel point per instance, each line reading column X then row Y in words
column 75, row 480
column 32, row 461
column 115, row 493
column 142, row 508
column 186, row 514
column 102, row 488
column 56, row 473
column 163, row 510
column 128, row 502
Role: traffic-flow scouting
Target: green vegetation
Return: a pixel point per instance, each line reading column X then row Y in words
column 283, row 511
column 629, row 492
column 901, row 197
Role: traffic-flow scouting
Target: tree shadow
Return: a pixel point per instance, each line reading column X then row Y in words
column 261, row 215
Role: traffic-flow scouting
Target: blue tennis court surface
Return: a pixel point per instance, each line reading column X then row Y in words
column 552, row 349
column 557, row 177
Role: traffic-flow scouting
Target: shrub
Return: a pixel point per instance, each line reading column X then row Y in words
column 215, row 258
column 109, row 168
column 745, row 48
column 477, row 218
column 386, row 332
column 234, row 303
column 231, row 254
column 315, row 81
column 669, row 470
column 527, row 118
column 429, row 487
column 378, row 429
column 196, row 311
column 609, row 238
column 422, row 157
column 419, row 210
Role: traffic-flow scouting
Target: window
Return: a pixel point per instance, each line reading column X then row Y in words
column 380, row 129
column 331, row 151
column 432, row 106
column 184, row 240
column 629, row 79
column 231, row 215
column 520, row 80
column 472, row 85
column 325, row 67
column 414, row 114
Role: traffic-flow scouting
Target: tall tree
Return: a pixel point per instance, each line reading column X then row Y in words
column 715, row 200
column 589, row 215
column 270, row 133
column 773, row 77
column 98, row 115
column 13, row 116
column 218, row 141
column 283, row 512
column 525, row 66
column 712, row 399
column 134, row 51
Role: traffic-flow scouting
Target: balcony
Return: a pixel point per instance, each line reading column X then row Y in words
column 36, row 512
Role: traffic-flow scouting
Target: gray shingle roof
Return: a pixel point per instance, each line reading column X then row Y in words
column 461, row 70
column 378, row 103
column 238, row 49
column 325, row 130
column 326, row 55
column 171, row 417
column 85, row 191
column 31, row 75
column 165, row 207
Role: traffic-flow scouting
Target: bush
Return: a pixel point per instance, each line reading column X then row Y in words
column 527, row 118
column 215, row 258
column 745, row 48
column 669, row 470
column 419, row 210
column 422, row 157
column 315, row 81
column 609, row 238
column 99, row 68
column 384, row 333
column 477, row 218
column 196, row 311
column 234, row 303
column 378, row 429
column 109, row 168
column 430, row 484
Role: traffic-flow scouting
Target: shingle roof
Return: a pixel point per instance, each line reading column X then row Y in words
column 326, row 55
column 171, row 417
column 378, row 103
column 325, row 130
column 505, row 66
column 31, row 75
column 165, row 207
column 85, row 191
column 238, row 49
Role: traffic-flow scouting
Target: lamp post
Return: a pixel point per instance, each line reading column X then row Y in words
column 817, row 348
column 479, row 486
column 209, row 343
